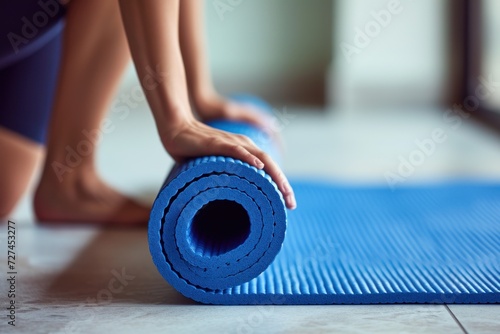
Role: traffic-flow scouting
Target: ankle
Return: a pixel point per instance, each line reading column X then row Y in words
column 58, row 169
column 52, row 191
column 65, row 179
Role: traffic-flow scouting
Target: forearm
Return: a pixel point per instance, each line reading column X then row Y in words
column 152, row 28
column 193, row 47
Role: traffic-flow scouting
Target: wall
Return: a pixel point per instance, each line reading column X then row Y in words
column 402, row 62
column 278, row 49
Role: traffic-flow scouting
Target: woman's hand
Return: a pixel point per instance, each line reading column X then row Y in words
column 211, row 106
column 152, row 29
column 191, row 138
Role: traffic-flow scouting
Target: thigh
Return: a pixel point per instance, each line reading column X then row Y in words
column 27, row 89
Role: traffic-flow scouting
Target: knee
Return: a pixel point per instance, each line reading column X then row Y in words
column 13, row 188
column 16, row 171
column 7, row 205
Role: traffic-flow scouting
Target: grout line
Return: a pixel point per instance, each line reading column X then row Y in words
column 456, row 319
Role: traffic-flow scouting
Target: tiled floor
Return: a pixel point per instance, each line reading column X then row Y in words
column 67, row 276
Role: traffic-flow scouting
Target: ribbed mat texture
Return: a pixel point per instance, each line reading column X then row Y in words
column 217, row 235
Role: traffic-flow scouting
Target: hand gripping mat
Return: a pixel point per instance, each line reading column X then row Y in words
column 217, row 235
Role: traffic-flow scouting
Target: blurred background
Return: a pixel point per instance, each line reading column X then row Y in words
column 343, row 53
column 491, row 52
column 359, row 87
column 311, row 53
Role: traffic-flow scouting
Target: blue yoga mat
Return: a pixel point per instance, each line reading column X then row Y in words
column 217, row 235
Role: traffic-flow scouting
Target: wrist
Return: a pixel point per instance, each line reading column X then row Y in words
column 210, row 105
column 170, row 119
column 203, row 95
column 172, row 127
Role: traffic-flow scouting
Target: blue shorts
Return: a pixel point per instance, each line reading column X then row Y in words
column 29, row 64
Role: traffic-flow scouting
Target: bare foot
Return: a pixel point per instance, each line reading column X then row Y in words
column 83, row 198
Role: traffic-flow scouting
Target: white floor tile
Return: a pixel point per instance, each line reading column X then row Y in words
column 478, row 318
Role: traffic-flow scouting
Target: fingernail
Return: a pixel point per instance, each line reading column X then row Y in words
column 292, row 202
column 258, row 163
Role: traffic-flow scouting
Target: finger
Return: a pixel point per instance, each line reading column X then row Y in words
column 272, row 169
column 265, row 123
column 254, row 118
column 278, row 177
column 246, row 140
column 239, row 152
column 250, row 115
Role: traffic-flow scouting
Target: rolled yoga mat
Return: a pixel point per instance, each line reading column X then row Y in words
column 217, row 235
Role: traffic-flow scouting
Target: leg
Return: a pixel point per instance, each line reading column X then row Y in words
column 94, row 55
column 26, row 93
column 16, row 170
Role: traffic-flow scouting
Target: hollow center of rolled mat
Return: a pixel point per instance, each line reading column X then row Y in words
column 218, row 227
